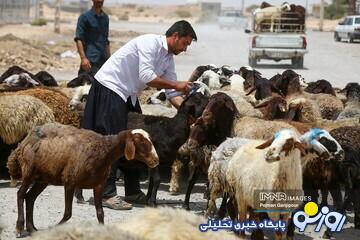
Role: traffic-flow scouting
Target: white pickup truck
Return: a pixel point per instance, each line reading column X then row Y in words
column 277, row 39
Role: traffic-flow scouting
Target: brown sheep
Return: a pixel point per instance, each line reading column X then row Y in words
column 47, row 156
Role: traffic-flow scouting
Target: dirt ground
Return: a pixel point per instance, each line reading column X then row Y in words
column 38, row 48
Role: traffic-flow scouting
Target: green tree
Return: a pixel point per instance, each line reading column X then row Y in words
column 336, row 9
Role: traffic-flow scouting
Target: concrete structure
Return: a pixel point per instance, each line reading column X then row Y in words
column 15, row 11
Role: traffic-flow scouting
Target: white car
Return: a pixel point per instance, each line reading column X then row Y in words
column 349, row 29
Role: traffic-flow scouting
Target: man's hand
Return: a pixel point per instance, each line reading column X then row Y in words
column 184, row 87
column 85, row 64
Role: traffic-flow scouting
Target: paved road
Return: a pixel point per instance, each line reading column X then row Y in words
column 327, row 59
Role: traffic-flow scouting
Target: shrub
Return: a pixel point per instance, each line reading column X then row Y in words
column 39, row 22
column 183, row 13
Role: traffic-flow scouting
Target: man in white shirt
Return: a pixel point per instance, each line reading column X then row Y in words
column 144, row 61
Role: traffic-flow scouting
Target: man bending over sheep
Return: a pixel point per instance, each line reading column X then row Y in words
column 144, row 61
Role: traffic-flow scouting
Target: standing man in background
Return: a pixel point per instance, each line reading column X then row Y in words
column 91, row 38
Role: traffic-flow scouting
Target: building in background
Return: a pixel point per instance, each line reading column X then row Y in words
column 15, row 11
column 209, row 11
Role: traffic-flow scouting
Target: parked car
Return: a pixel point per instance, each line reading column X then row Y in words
column 348, row 29
column 231, row 19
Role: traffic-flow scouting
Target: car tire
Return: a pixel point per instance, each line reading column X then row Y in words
column 252, row 62
column 298, row 62
column 336, row 37
column 351, row 39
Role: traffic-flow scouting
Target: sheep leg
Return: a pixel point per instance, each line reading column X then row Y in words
column 242, row 215
column 175, row 176
column 324, row 197
column 222, row 210
column 153, row 186
column 69, row 195
column 291, row 226
column 21, row 194
column 337, row 198
column 355, row 196
column 231, row 208
column 98, row 192
column 211, row 206
column 191, row 184
column 256, row 233
column 30, row 198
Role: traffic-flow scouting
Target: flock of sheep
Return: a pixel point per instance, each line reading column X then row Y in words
column 245, row 132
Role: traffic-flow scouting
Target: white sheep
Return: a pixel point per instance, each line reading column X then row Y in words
column 274, row 165
column 158, row 110
column 255, row 128
column 271, row 13
column 78, row 100
column 218, row 167
column 211, row 79
column 19, row 114
column 161, row 223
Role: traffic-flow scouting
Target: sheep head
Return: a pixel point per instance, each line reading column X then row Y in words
column 323, row 144
column 352, row 91
column 157, row 98
column 215, row 123
column 198, row 134
column 193, row 106
column 139, row 146
column 284, row 142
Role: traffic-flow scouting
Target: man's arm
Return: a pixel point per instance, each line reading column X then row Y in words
column 107, row 49
column 159, row 82
column 85, row 63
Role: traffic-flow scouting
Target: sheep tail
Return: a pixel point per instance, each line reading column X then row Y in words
column 13, row 165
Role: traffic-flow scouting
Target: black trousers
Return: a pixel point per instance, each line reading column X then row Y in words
column 107, row 113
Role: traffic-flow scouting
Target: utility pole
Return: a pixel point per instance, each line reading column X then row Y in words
column 57, row 16
column 321, row 22
column 243, row 7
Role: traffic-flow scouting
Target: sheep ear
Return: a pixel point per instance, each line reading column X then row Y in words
column 251, row 90
column 266, row 144
column 301, row 147
column 129, row 149
column 263, row 104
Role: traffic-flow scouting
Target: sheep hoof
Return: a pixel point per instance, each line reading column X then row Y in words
column 13, row 183
column 22, row 234
column 174, row 193
column 31, row 229
column 186, row 207
column 151, row 204
column 327, row 235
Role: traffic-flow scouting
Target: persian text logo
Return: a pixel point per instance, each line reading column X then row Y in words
column 311, row 215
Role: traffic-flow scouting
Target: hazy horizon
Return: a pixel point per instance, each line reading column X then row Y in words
column 232, row 3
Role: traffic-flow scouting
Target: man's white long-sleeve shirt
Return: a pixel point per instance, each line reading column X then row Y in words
column 135, row 64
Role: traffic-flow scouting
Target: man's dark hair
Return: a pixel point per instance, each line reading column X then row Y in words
column 183, row 28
